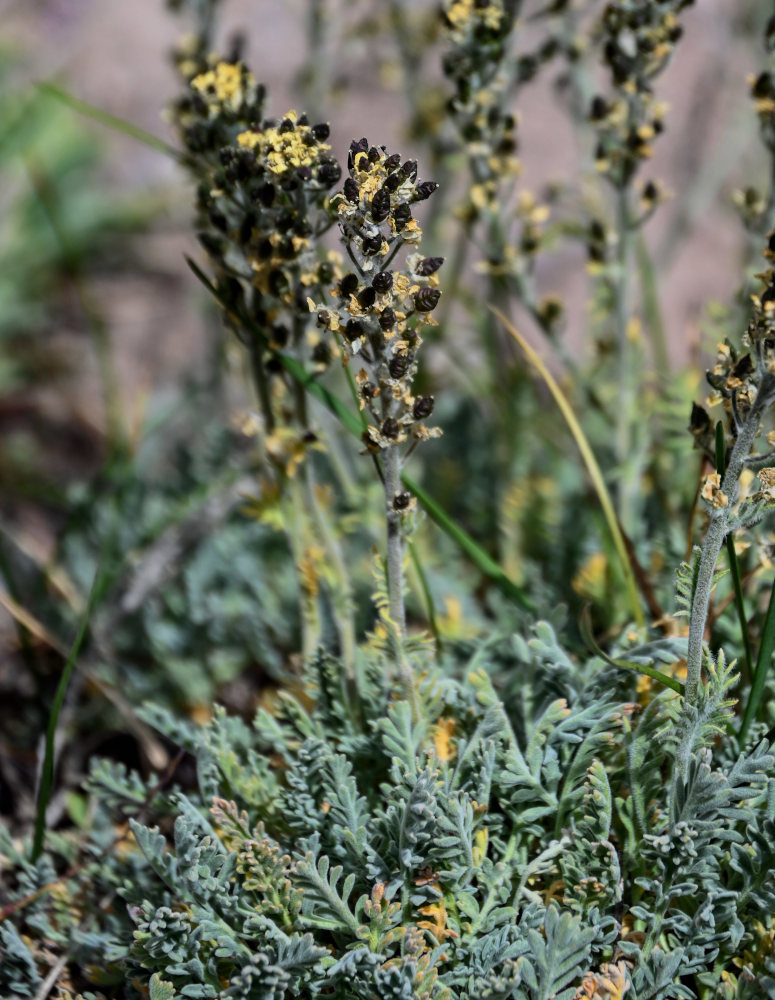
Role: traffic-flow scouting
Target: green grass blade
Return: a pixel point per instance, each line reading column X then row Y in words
column 430, row 606
column 484, row 562
column 475, row 552
column 47, row 771
column 734, row 565
column 585, row 627
column 763, row 661
column 591, row 463
column 107, row 119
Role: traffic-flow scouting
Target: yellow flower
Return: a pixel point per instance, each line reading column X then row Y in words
column 227, row 83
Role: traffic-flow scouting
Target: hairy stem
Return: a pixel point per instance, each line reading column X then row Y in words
column 717, row 531
column 628, row 488
column 395, row 549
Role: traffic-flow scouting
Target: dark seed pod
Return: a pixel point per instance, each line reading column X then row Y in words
column 369, row 390
column 390, row 428
column 372, row 244
column 425, row 190
column 323, row 317
column 401, row 215
column 650, row 191
column 762, row 86
column 321, row 353
column 423, row 407
column 373, row 154
column 219, row 220
column 351, row 192
column 743, row 368
column 348, row 285
column 382, row 282
column 392, row 163
column 325, row 272
column 356, row 146
column 353, row 330
column 427, row 299
column 286, row 250
column 266, row 195
column 286, row 125
column 329, row 173
column 302, row 119
column 401, row 501
column 699, row 422
column 380, row 205
column 366, row 297
column 409, row 169
column 398, row 366
column 278, row 283
column 265, row 249
column 428, row 265
column 322, row 131
column 212, row 244
column 387, row 319
column 598, row 109
column 246, row 227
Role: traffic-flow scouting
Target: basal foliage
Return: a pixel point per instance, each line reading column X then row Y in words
column 347, row 844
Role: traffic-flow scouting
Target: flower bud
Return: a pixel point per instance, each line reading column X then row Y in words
column 425, row 190
column 398, row 366
column 387, row 319
column 428, row 266
column 423, row 407
column 366, row 297
column 392, row 163
column 348, row 285
column 427, row 299
column 351, row 192
column 382, row 282
column 372, row 244
column 380, row 205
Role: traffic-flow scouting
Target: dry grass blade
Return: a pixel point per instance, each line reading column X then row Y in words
column 589, row 461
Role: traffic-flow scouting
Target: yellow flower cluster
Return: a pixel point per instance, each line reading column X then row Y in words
column 226, row 82
column 462, row 14
column 285, row 148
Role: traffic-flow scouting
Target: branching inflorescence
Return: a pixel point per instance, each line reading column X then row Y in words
column 377, row 313
column 745, row 384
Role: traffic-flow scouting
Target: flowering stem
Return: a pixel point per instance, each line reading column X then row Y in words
column 622, row 298
column 395, row 547
column 717, row 531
